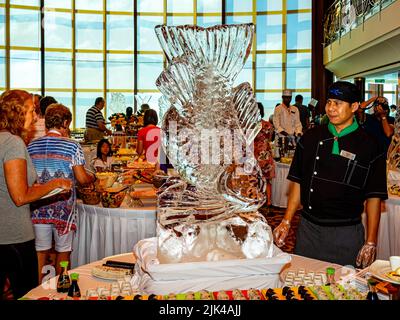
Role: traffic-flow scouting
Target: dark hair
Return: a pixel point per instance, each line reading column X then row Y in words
column 100, row 144
column 150, row 117
column 55, row 116
column 261, row 108
column 393, row 106
column 144, row 107
column 278, row 104
column 129, row 112
column 298, row 97
column 45, row 102
column 98, row 100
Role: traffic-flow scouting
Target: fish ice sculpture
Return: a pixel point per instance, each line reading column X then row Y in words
column 208, row 128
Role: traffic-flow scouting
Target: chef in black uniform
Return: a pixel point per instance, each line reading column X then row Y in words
column 336, row 167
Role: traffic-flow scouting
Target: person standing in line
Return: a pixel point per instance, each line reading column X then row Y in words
column 18, row 188
column 263, row 151
column 303, row 112
column 54, row 156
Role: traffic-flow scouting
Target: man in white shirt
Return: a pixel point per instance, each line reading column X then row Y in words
column 286, row 117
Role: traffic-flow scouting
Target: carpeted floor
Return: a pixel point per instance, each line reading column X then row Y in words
column 274, row 217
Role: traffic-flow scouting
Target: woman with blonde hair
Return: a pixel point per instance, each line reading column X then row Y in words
column 18, row 260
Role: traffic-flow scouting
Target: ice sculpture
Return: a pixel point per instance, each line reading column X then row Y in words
column 210, row 212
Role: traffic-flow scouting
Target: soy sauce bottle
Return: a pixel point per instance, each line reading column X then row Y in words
column 63, row 282
column 372, row 295
column 74, row 291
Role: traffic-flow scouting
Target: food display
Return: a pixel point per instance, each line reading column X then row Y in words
column 113, row 197
column 140, row 164
column 88, row 194
column 394, row 189
column 335, row 292
column 144, row 193
column 110, row 273
column 286, row 160
column 106, row 179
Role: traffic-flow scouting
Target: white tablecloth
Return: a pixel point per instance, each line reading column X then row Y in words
column 389, row 229
column 103, row 232
column 280, row 185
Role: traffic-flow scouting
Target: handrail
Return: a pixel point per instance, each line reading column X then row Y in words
column 344, row 15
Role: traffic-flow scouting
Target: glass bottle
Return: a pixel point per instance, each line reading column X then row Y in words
column 372, row 295
column 330, row 276
column 74, row 291
column 63, row 282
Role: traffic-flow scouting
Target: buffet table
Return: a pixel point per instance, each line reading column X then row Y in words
column 103, row 231
column 389, row 229
column 280, row 185
column 87, row 281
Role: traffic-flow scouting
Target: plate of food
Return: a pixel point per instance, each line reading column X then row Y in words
column 381, row 269
column 52, row 193
column 110, row 272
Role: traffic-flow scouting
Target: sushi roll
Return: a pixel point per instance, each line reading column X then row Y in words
column 222, row 295
column 253, row 294
column 189, row 296
column 205, row 295
column 171, row 296
column 238, row 295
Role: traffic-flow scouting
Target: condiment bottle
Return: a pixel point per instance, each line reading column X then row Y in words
column 74, row 291
column 330, row 276
column 63, row 282
column 372, row 295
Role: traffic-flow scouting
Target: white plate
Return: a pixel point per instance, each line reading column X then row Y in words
column 52, row 193
column 380, row 268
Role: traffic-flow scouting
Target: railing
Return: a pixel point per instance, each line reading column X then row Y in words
column 345, row 15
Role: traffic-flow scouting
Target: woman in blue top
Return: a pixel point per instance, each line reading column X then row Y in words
column 54, row 156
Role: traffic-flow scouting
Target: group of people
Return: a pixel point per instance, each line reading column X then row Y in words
column 336, row 168
column 30, row 223
column 38, row 158
column 148, row 138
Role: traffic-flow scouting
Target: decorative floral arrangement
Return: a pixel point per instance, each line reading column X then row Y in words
column 117, row 119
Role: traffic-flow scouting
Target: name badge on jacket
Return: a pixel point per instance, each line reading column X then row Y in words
column 347, row 154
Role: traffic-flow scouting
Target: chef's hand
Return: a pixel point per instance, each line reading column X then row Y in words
column 281, row 232
column 284, row 133
column 366, row 255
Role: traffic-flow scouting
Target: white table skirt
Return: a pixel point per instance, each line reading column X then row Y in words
column 280, row 185
column 389, row 229
column 103, row 232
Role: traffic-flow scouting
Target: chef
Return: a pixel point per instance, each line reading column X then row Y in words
column 336, row 168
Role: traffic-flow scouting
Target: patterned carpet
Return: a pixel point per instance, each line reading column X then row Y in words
column 274, row 217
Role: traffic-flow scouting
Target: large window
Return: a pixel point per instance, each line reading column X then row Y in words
column 100, row 48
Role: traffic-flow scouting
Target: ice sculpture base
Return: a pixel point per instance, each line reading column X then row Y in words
column 153, row 277
column 188, row 236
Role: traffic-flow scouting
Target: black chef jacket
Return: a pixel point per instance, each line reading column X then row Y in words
column 333, row 187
